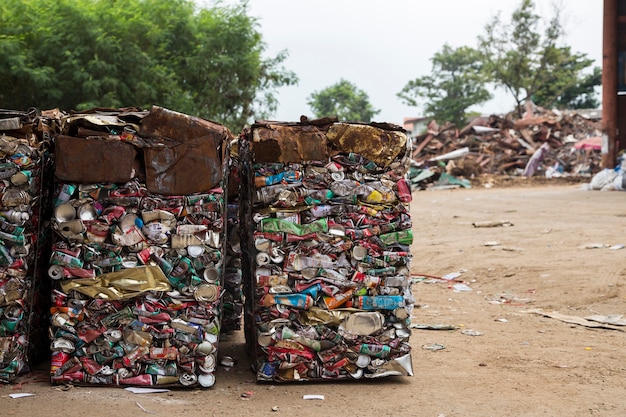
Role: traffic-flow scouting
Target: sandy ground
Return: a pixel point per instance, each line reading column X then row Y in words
column 500, row 359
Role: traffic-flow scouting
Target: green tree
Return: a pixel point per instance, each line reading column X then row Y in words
column 78, row 54
column 574, row 92
column 529, row 65
column 343, row 100
column 455, row 84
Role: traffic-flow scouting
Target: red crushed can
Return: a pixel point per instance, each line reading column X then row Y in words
column 58, row 360
column 404, row 191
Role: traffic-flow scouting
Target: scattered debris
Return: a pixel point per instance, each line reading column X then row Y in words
column 511, row 249
column 434, row 326
column 144, row 409
column 614, row 319
column 601, row 246
column 509, row 299
column 460, row 287
column 21, row 395
column 433, row 347
column 227, row 361
column 313, row 397
column 142, row 390
column 491, row 223
column 592, row 246
column 574, row 319
column 471, row 332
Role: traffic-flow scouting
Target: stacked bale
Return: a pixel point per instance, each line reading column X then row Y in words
column 24, row 165
column 328, row 230
column 137, row 263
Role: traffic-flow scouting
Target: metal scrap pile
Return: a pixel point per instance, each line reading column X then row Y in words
column 549, row 143
column 327, row 228
column 24, row 167
column 137, row 265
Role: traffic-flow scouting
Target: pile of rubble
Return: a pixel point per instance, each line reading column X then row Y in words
column 546, row 143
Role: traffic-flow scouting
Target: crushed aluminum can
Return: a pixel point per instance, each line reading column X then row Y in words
column 206, row 293
column 208, row 364
column 195, row 250
column 262, row 258
column 64, row 212
column 211, row 274
column 87, row 212
column 188, row 379
column 206, row 380
column 55, row 272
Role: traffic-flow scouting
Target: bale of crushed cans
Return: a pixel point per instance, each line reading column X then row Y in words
column 326, row 221
column 137, row 265
column 25, row 165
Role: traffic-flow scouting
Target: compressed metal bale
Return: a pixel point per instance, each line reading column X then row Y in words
column 137, row 278
column 328, row 271
column 24, row 168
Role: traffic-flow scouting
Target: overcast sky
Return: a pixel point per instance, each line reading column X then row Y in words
column 381, row 45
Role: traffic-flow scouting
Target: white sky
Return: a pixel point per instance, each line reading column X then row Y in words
column 381, row 45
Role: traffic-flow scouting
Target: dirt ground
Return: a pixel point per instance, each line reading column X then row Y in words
column 501, row 358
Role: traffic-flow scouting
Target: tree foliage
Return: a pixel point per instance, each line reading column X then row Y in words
column 343, row 100
column 571, row 89
column 529, row 65
column 78, row 54
column 455, row 84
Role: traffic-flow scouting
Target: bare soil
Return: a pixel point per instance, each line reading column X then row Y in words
column 502, row 358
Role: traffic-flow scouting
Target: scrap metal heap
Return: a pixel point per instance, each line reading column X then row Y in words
column 137, row 265
column 543, row 142
column 325, row 221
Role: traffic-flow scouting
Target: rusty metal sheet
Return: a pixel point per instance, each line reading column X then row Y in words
column 288, row 143
column 185, row 168
column 181, row 127
column 92, row 160
column 378, row 145
column 189, row 158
